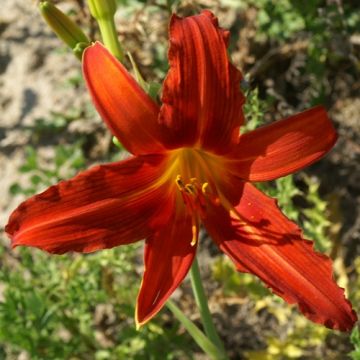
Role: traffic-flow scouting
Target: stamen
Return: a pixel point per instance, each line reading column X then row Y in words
column 213, row 197
column 205, row 188
column 179, row 182
column 194, row 201
column 190, row 189
column 195, row 230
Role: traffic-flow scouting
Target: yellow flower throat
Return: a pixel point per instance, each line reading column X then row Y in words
column 196, row 183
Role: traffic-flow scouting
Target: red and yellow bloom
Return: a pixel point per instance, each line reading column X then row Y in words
column 190, row 166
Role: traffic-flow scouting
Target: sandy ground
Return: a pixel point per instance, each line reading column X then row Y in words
column 31, row 86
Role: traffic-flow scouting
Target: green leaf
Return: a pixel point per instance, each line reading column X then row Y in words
column 355, row 340
column 15, row 189
column 208, row 347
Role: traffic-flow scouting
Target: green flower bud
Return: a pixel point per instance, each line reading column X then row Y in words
column 62, row 25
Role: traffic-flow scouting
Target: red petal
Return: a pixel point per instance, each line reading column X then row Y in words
column 265, row 243
column 106, row 206
column 202, row 102
column 128, row 111
column 284, row 147
column 168, row 258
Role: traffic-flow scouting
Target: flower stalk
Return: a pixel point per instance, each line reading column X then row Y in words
column 201, row 301
column 104, row 11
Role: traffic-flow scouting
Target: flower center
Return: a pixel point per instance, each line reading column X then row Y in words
column 194, row 201
column 192, row 193
column 196, row 184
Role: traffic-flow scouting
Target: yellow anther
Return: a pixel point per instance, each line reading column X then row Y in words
column 194, row 181
column 190, row 189
column 194, row 237
column 205, row 188
column 194, row 230
column 179, row 182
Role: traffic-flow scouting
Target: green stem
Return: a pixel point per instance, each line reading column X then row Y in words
column 199, row 337
column 202, row 304
column 110, row 38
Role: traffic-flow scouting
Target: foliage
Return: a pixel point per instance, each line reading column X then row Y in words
column 355, row 339
column 273, row 16
column 355, row 297
column 325, row 26
column 78, row 306
column 68, row 159
column 254, row 110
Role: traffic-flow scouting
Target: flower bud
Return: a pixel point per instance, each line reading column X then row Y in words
column 62, row 25
column 101, row 9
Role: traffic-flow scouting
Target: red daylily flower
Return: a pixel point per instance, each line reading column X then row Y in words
column 190, row 166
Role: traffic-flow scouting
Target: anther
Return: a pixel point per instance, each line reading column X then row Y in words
column 205, row 188
column 179, row 182
column 209, row 194
column 190, row 189
column 194, row 230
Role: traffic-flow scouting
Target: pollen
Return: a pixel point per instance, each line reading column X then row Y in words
column 194, row 230
column 190, row 189
column 205, row 188
column 193, row 189
column 180, row 183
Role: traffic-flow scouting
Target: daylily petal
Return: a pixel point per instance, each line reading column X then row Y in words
column 284, row 146
column 168, row 258
column 128, row 111
column 202, row 102
column 262, row 241
column 103, row 207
